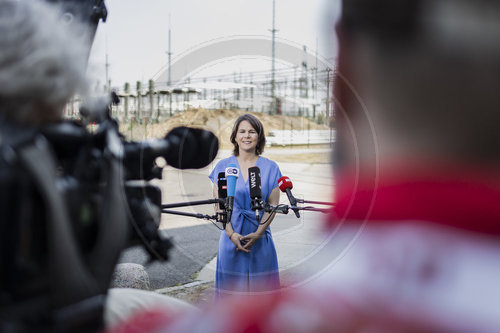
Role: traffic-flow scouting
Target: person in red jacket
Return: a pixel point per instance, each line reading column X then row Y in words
column 416, row 224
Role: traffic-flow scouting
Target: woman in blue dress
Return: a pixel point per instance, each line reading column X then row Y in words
column 246, row 258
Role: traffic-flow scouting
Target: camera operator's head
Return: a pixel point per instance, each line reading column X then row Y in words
column 42, row 61
column 428, row 73
column 418, row 96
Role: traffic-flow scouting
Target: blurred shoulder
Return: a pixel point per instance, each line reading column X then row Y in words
column 225, row 161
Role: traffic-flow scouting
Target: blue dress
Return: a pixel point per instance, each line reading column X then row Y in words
column 238, row 271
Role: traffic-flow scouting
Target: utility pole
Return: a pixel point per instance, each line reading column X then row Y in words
column 273, row 68
column 169, row 83
column 315, row 84
column 328, row 116
column 169, row 51
column 327, row 113
column 296, row 111
column 106, row 66
column 138, row 87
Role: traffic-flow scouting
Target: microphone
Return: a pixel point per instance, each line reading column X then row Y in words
column 182, row 148
column 192, row 148
column 285, row 185
column 222, row 191
column 232, row 174
column 255, row 190
column 222, row 188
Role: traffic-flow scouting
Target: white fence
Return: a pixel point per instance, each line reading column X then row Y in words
column 298, row 137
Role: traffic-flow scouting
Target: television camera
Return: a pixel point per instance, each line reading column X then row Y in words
column 72, row 197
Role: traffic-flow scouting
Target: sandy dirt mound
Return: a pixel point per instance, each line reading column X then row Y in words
column 219, row 122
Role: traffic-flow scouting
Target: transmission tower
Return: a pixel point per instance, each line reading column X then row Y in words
column 273, row 63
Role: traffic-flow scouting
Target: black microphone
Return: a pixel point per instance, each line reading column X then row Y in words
column 192, row 148
column 222, row 192
column 222, row 188
column 254, row 183
column 285, row 185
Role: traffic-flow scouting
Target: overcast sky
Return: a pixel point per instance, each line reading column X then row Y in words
column 136, row 32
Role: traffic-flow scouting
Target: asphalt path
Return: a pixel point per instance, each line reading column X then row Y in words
column 193, row 248
column 195, row 240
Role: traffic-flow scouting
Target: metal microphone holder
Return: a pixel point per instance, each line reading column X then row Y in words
column 218, row 217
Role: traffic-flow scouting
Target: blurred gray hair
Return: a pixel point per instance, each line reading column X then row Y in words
column 42, row 61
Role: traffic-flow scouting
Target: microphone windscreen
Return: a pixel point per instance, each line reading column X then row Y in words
column 191, row 148
column 254, row 182
column 284, row 183
column 232, row 174
column 208, row 145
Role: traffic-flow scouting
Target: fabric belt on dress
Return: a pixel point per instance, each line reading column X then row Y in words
column 249, row 215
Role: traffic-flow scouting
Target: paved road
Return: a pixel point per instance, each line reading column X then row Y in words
column 194, row 247
column 196, row 240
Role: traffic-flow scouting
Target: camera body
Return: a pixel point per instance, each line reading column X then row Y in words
column 73, row 196
column 71, row 201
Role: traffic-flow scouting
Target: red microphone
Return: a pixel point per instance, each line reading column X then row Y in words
column 285, row 185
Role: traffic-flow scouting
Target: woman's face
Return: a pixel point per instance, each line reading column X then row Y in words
column 246, row 137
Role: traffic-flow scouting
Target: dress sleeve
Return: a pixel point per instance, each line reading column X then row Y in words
column 219, row 167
